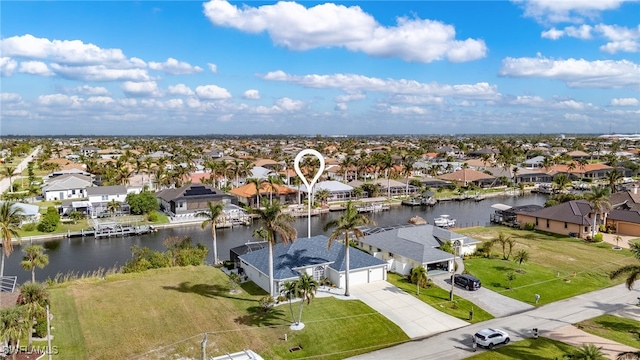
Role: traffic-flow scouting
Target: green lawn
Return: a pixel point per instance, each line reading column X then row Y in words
column 164, row 313
column 559, row 267
column 623, row 330
column 439, row 299
column 540, row 348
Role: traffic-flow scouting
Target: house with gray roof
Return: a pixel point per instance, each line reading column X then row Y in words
column 572, row 218
column 185, row 202
column 624, row 222
column 408, row 246
column 70, row 186
column 311, row 256
column 339, row 191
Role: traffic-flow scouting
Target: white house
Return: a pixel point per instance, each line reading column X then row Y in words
column 100, row 196
column 310, row 256
column 70, row 186
column 408, row 246
column 30, row 213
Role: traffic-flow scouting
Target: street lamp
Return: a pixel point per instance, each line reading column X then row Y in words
column 456, row 246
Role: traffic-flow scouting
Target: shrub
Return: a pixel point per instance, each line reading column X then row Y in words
column 266, row 303
column 29, row 227
column 50, row 220
column 529, row 226
column 597, row 237
column 153, row 216
column 41, row 327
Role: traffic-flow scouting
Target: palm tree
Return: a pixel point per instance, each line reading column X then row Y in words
column 273, row 180
column 275, row 223
column 521, row 256
column 35, row 298
column 420, row 277
column 601, row 204
column 561, row 182
column 507, row 243
column 387, row 164
column 211, row 216
column 13, row 327
column 10, row 218
column 629, row 355
column 8, row 171
column 347, row 224
column 113, row 206
column 257, row 183
column 307, row 287
column 289, row 290
column 631, row 271
column 613, row 178
column 323, row 195
column 34, row 256
column 589, row 352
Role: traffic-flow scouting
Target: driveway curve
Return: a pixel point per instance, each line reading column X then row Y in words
column 414, row 317
column 490, row 301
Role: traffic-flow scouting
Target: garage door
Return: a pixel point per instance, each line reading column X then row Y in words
column 376, row 274
column 628, row 229
column 358, row 277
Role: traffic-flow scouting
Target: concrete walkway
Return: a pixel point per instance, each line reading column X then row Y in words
column 575, row 337
column 490, row 301
column 413, row 316
column 624, row 240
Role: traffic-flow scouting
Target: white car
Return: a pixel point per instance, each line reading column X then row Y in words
column 491, row 337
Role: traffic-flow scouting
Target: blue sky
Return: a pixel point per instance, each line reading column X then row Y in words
column 373, row 67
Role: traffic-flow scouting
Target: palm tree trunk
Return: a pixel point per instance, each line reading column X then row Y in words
column 293, row 318
column 2, row 265
column 270, row 268
column 33, row 274
column 300, row 311
column 215, row 243
column 346, row 264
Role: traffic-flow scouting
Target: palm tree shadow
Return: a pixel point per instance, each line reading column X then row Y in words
column 206, row 290
column 257, row 316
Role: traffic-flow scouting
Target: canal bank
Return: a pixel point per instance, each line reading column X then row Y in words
column 87, row 254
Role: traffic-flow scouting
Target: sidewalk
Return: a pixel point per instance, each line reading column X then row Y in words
column 575, row 337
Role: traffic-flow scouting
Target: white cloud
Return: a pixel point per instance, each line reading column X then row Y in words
column 350, row 97
column 620, row 38
column 35, row 68
column 212, row 92
column 61, row 51
column 578, row 73
column 7, row 66
column 625, row 102
column 99, row 73
column 416, row 100
column 174, row 67
column 88, row 90
column 288, row 104
column 60, row 100
column 576, row 117
column 213, row 68
column 353, row 83
column 329, row 25
column 410, row 110
column 251, row 94
column 140, row 89
column 341, row 107
column 10, row 97
column 180, row 89
column 100, row 100
column 574, row 11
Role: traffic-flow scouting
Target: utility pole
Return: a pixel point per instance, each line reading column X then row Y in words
column 48, row 333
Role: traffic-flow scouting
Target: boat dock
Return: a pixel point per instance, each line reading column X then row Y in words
column 113, row 231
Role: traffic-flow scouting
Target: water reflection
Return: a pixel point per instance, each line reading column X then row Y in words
column 85, row 254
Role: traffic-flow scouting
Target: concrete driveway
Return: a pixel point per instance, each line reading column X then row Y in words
column 413, row 316
column 492, row 302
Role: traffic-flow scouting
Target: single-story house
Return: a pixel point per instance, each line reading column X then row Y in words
column 626, row 200
column 568, row 218
column 338, row 190
column 465, row 176
column 310, row 256
column 247, row 193
column 407, row 246
column 30, row 213
column 69, row 186
column 189, row 200
column 624, row 222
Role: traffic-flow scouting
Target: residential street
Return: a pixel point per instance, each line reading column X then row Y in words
column 456, row 344
column 4, row 183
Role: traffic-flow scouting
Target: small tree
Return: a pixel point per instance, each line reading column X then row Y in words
column 34, row 299
column 521, row 256
column 34, row 256
column 290, row 291
column 589, row 352
column 13, row 327
column 510, row 277
column 507, row 243
column 420, row 277
column 307, row 287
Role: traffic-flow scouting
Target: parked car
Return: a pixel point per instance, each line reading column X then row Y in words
column 467, row 281
column 491, row 337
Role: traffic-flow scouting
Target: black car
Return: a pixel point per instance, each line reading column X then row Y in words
column 467, row 281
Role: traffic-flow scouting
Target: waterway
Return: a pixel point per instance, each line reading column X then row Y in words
column 86, row 254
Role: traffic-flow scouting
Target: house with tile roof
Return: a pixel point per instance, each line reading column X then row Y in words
column 247, row 193
column 464, row 177
column 569, row 218
column 407, row 246
column 69, row 186
column 311, row 256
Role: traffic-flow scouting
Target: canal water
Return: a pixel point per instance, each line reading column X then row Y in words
column 86, row 254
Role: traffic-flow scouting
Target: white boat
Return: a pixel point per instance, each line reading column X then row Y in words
column 444, row 221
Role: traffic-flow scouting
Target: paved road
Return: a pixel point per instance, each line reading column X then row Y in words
column 416, row 318
column 456, row 344
column 494, row 303
column 5, row 183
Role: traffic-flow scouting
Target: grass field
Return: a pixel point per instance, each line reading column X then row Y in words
column 540, row 348
column 559, row 267
column 623, row 330
column 164, row 313
column 439, row 299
